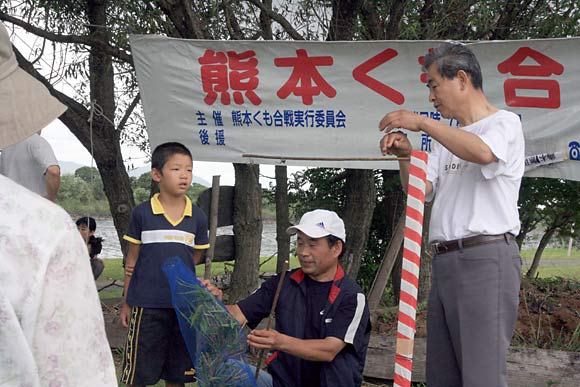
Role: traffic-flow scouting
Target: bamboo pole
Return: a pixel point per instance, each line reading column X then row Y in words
column 213, row 221
column 272, row 315
column 310, row 158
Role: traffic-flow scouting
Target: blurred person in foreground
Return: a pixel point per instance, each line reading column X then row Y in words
column 52, row 330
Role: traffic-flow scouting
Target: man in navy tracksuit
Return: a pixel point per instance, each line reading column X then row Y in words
column 322, row 318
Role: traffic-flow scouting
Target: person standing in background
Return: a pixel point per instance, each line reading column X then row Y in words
column 32, row 164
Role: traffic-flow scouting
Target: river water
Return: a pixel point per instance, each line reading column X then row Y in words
column 112, row 248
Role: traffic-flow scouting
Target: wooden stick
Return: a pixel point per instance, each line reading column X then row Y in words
column 386, row 265
column 213, row 221
column 309, row 158
column 272, row 315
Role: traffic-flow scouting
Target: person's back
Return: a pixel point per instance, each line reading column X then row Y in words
column 52, row 331
column 164, row 227
column 52, row 328
column 32, row 164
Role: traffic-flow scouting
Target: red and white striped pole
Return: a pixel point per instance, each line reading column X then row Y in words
column 410, row 273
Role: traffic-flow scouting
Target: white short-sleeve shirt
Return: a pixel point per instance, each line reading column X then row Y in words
column 27, row 161
column 472, row 199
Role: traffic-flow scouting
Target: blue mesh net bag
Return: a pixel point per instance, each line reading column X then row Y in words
column 214, row 339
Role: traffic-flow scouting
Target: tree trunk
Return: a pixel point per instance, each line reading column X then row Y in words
column 247, row 231
column 105, row 139
column 396, row 277
column 282, row 217
column 266, row 23
column 426, row 258
column 343, row 22
column 558, row 223
column 531, row 273
column 107, row 150
column 358, row 214
column 360, row 187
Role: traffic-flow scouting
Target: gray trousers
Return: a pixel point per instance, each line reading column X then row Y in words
column 471, row 315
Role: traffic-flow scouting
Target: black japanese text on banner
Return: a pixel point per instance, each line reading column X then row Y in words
column 224, row 99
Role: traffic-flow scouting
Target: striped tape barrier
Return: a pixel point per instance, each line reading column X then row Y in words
column 410, row 274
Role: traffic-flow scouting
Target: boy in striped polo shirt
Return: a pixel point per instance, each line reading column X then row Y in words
column 166, row 226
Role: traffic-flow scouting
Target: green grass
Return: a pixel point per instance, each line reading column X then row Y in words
column 114, row 271
column 553, row 254
column 554, row 270
column 572, row 271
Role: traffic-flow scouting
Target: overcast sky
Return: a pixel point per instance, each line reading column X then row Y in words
column 67, row 148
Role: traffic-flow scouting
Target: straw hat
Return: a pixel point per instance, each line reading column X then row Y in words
column 26, row 106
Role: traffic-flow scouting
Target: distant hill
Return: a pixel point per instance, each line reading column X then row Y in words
column 147, row 168
column 69, row 168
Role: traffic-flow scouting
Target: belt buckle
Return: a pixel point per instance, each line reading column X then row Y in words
column 438, row 248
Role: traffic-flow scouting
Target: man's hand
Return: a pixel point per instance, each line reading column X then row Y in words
column 125, row 314
column 396, row 143
column 265, row 339
column 402, row 119
column 311, row 349
column 217, row 292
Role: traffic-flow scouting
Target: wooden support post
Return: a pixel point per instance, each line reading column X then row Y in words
column 386, row 266
column 213, row 222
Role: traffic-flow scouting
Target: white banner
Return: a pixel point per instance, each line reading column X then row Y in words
column 227, row 99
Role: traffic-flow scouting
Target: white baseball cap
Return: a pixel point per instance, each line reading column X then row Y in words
column 320, row 223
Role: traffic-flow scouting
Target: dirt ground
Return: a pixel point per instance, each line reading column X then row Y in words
column 548, row 316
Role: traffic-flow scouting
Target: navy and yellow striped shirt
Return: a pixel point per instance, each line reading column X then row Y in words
column 161, row 238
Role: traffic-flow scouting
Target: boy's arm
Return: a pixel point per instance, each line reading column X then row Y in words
column 132, row 257
column 197, row 256
column 237, row 313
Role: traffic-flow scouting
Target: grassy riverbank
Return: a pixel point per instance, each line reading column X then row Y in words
column 114, row 272
column 555, row 263
column 552, row 292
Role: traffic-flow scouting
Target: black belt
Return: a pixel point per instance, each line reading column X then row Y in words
column 447, row 246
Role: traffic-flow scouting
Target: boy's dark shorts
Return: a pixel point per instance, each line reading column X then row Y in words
column 155, row 349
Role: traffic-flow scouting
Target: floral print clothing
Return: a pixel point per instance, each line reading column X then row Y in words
column 51, row 324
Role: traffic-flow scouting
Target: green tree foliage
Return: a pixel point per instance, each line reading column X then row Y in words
column 80, row 195
column 141, row 187
column 82, row 192
column 551, row 205
column 324, row 188
column 69, row 22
